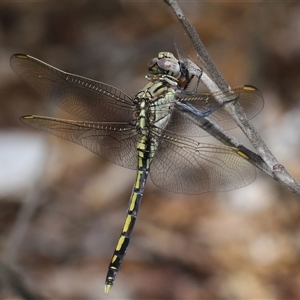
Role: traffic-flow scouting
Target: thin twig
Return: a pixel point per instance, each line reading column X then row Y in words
column 221, row 135
column 28, row 209
column 269, row 164
column 16, row 280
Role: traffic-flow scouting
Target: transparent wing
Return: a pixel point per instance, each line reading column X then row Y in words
column 80, row 96
column 182, row 165
column 249, row 97
column 115, row 142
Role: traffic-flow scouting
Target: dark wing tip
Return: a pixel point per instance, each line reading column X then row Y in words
column 26, row 117
column 15, row 58
column 249, row 87
column 18, row 56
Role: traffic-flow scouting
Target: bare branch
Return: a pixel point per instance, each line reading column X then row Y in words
column 265, row 161
column 198, row 45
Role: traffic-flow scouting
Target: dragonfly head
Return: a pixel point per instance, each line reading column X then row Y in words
column 165, row 63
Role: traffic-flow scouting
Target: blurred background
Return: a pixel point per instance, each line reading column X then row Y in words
column 62, row 207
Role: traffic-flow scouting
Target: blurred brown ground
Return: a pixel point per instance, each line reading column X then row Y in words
column 243, row 244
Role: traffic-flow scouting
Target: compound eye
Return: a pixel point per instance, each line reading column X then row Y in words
column 152, row 62
column 164, row 63
column 169, row 65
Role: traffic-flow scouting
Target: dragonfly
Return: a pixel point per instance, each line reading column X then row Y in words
column 147, row 132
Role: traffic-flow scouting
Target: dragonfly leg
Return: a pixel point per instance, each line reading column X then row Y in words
column 184, row 70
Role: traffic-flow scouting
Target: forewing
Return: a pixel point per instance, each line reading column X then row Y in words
column 115, row 142
column 250, row 98
column 182, row 165
column 85, row 98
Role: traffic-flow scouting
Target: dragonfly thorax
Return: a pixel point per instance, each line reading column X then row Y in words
column 154, row 103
